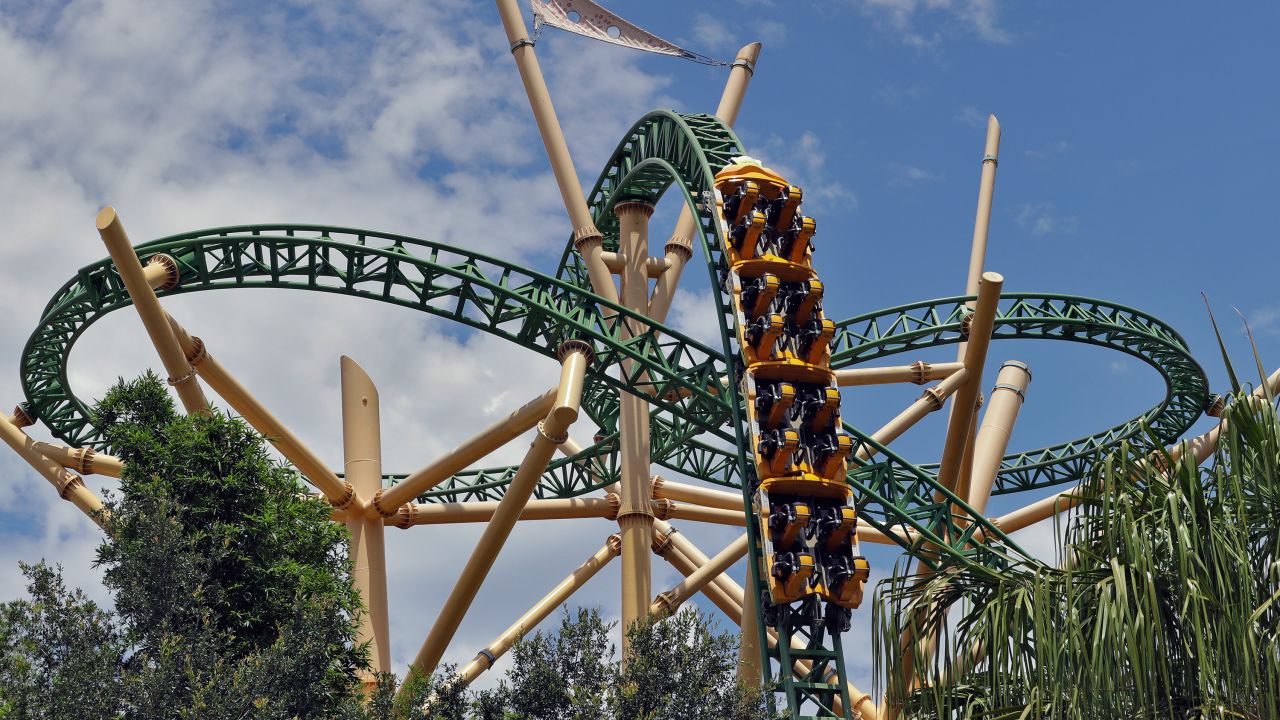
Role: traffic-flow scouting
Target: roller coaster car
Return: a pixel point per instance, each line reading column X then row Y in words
column 744, row 237
column 757, row 294
column 789, row 576
column 845, row 579
column 828, row 453
column 833, row 527
column 762, row 337
column 813, row 341
column 741, row 201
column 783, row 208
column 787, row 523
column 800, row 300
column 775, row 452
column 773, row 400
column 795, row 242
column 815, row 407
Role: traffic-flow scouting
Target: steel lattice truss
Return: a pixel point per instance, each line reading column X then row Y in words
column 695, row 421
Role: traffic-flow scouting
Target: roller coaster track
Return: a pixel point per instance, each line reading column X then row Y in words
column 696, row 416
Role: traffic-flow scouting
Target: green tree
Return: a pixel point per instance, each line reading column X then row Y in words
column 231, row 587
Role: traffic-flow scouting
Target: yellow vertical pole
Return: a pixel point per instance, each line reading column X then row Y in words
column 362, row 453
column 181, row 376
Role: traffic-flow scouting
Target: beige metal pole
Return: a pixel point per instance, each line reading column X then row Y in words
column 672, row 490
column 679, row 248
column 85, row 461
column 715, row 516
column 975, row 357
column 161, row 272
column 666, row 603
column 918, row 372
column 181, row 375
column 930, row 400
column 539, row 612
column 997, row 425
column 635, row 517
column 697, row 559
column 338, row 492
column 482, row 511
column 70, row 486
column 750, row 668
column 982, row 220
column 575, row 356
column 388, row 500
column 587, row 238
column 715, row 592
column 362, row 454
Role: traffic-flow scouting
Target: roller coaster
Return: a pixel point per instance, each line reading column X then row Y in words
column 754, row 422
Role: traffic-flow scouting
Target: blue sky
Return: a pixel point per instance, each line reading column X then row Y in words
column 1137, row 166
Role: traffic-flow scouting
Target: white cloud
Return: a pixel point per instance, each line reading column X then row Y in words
column 803, row 161
column 1265, row 321
column 712, row 31
column 970, row 116
column 904, row 17
column 1043, row 219
column 901, row 175
column 1047, row 151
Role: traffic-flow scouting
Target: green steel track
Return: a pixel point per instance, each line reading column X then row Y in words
column 695, row 421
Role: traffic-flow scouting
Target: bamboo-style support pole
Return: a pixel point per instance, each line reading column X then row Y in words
column 485, row 659
column 750, row 665
column 698, row 513
column 85, row 461
column 653, row 266
column 666, row 603
column 982, row 219
column 362, row 464
column 388, row 500
column 918, row 372
column 719, row 593
column 483, row 510
column 181, row 375
column 70, row 486
column 635, row 517
column 161, row 272
column 929, row 401
column 672, row 490
column 587, row 238
column 338, row 492
column 966, row 397
column 575, row 356
column 679, row 248
column 997, row 425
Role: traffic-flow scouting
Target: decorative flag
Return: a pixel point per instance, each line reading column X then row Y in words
column 586, row 18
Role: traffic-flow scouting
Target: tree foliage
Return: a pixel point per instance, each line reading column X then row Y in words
column 1166, row 604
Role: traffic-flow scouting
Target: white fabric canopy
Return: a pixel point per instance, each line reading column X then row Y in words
column 589, row 19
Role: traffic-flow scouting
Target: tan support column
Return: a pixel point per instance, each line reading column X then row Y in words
column 975, row 356
column 716, row 592
column 666, row 603
column 539, row 612
column 161, row 272
column 918, row 372
column 70, row 486
column 750, row 669
column 575, row 355
column 362, row 453
column 181, row 375
column 388, row 500
column 587, row 238
column 635, row 517
column 679, row 248
column 997, row 425
column 930, row 400
column 411, row 514
column 672, row 490
column 85, row 461
column 338, row 492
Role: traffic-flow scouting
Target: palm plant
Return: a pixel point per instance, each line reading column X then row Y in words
column 1165, row 603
